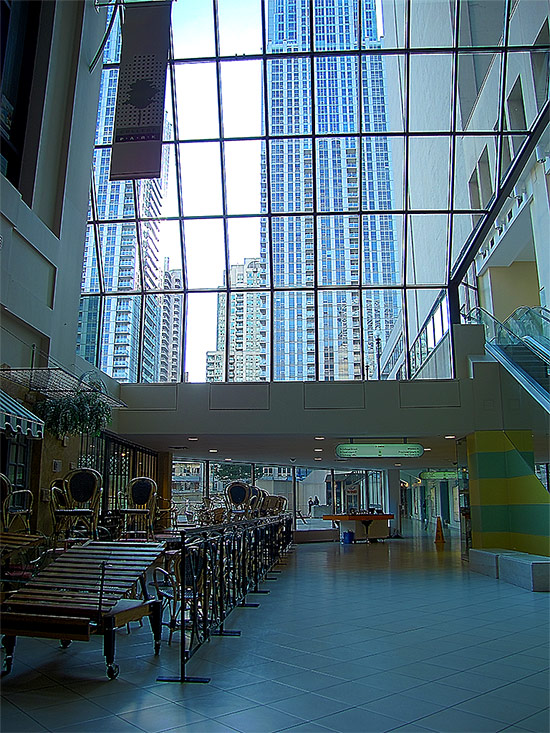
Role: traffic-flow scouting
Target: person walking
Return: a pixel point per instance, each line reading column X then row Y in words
column 309, row 505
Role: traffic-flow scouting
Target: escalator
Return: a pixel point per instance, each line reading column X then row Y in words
column 522, row 345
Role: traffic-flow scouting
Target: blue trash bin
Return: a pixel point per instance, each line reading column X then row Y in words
column 348, row 538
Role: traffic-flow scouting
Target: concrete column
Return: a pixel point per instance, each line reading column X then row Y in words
column 394, row 495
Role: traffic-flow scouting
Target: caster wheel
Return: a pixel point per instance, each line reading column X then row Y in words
column 65, row 643
column 112, row 671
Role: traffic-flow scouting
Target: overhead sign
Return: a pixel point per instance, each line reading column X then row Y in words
column 379, row 450
column 437, row 475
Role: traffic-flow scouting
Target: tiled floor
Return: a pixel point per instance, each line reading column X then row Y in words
column 390, row 636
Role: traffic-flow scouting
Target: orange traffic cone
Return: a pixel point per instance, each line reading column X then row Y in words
column 439, row 532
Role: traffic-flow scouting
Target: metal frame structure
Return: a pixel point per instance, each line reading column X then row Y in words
column 455, row 269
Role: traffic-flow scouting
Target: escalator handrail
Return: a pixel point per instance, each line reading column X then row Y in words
column 541, row 351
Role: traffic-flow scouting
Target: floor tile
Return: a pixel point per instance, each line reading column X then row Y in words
column 459, row 721
column 260, row 720
column 162, row 717
column 357, row 720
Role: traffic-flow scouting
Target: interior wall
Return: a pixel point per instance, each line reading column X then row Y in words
column 508, row 288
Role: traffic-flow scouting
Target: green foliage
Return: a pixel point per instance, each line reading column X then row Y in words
column 81, row 412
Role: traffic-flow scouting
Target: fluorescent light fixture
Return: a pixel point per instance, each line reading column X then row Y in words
column 450, row 437
column 318, row 459
column 213, row 450
column 318, row 450
column 319, row 437
column 192, row 438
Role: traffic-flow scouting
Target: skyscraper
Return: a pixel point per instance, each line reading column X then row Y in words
column 170, row 336
column 321, row 174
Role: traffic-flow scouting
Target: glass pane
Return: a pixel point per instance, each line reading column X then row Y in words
column 427, row 246
column 336, row 26
column 383, row 167
column 381, row 113
column 88, row 325
column 90, row 274
column 382, row 248
column 336, row 94
column 338, row 250
column 289, row 96
column 119, row 251
column 337, row 167
column 168, row 193
column 287, row 26
column 194, row 82
column 381, row 313
column 247, row 328
column 204, row 352
column 192, row 29
column 478, row 91
column 150, row 262
column 242, row 98
column 243, row 171
column 151, row 343
column 475, row 172
column 201, row 179
column 115, row 199
column 390, row 15
column 205, row 253
column 244, row 242
column 169, row 252
column 481, row 23
column 339, row 335
column 292, row 250
column 120, row 337
column 526, row 19
column 526, row 88
column 463, row 227
column 171, row 334
column 429, row 172
column 240, row 27
column 106, row 107
column 291, row 175
column 168, row 132
column 431, row 78
column 294, row 336
column 432, row 23
column 111, row 54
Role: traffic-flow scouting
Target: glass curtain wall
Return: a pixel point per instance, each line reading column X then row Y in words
column 326, row 166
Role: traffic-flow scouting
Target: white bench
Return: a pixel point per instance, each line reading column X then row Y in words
column 518, row 568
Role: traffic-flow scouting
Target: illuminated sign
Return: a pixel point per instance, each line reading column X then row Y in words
column 379, row 450
column 437, row 475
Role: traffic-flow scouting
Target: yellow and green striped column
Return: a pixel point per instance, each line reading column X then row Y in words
column 510, row 508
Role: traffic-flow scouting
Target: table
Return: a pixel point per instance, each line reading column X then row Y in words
column 11, row 542
column 90, row 589
column 353, row 519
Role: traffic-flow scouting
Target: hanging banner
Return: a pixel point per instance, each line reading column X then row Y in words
column 139, row 115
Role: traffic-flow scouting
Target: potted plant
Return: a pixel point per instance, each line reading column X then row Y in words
column 84, row 411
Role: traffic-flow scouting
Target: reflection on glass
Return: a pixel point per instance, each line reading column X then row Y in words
column 89, row 323
column 197, row 101
column 242, row 98
column 431, row 23
column 204, row 242
column 201, row 179
column 427, row 236
column 204, row 355
column 431, row 79
column 243, row 170
column 478, row 91
column 429, row 159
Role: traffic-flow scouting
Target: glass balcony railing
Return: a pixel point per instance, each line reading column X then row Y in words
column 522, row 346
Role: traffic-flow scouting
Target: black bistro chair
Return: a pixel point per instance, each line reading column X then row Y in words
column 138, row 506
column 237, row 496
column 16, row 507
column 75, row 503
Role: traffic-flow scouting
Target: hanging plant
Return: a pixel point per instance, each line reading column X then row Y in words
column 81, row 412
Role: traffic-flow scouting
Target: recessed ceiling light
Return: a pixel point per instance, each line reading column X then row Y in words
column 318, row 450
column 450, row 437
column 318, row 458
column 427, row 449
column 228, row 459
column 396, row 464
column 192, row 438
column 319, row 437
column 213, row 450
